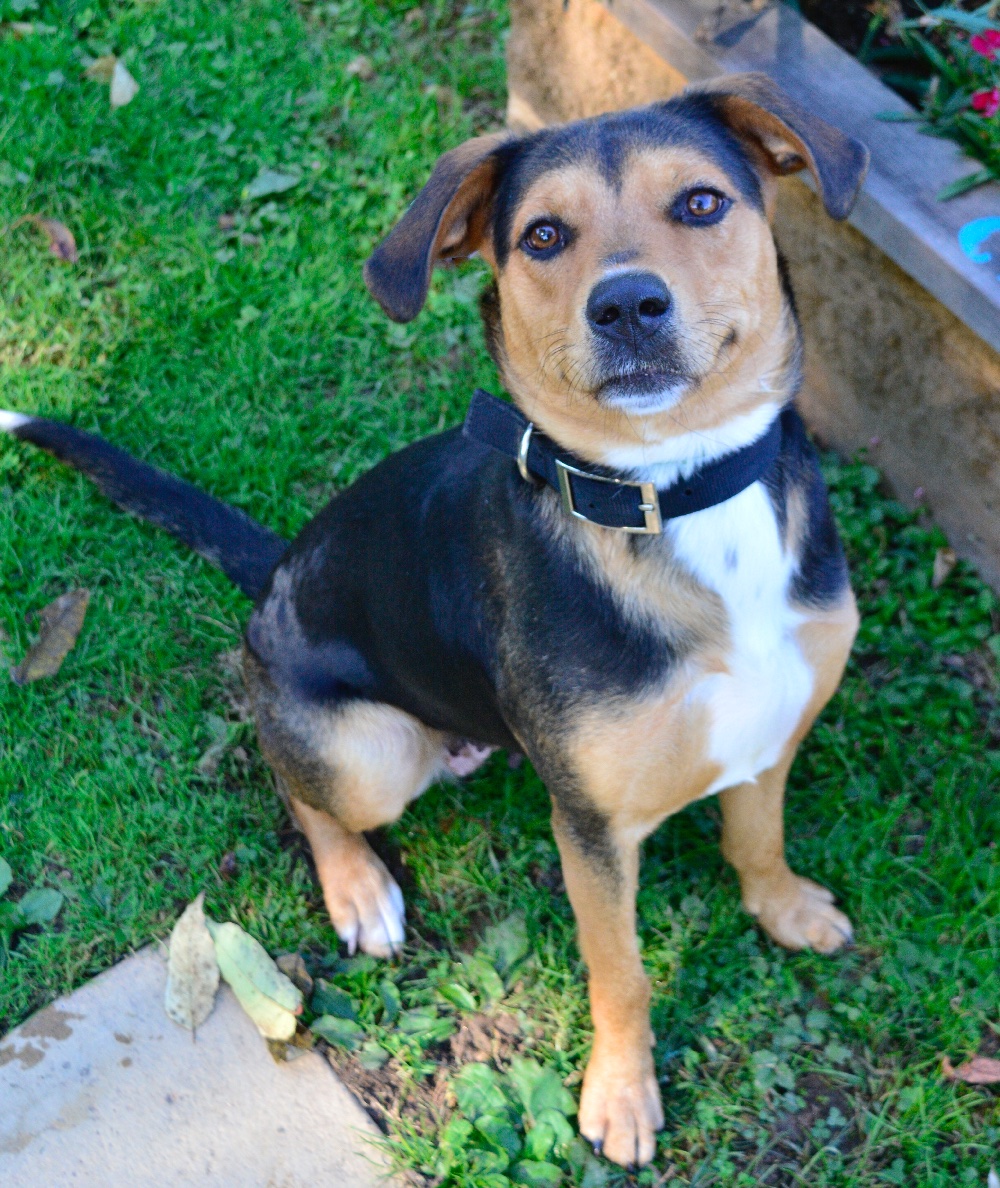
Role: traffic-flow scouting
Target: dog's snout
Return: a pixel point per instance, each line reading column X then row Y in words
column 631, row 305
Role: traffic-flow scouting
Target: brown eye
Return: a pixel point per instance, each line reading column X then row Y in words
column 702, row 203
column 542, row 237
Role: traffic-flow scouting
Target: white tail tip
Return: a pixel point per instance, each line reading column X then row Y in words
column 9, row 421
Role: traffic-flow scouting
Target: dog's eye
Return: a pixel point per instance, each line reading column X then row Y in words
column 542, row 236
column 703, row 202
column 701, row 205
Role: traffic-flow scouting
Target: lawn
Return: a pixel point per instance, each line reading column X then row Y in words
column 229, row 339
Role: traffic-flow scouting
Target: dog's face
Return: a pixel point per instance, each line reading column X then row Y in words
column 637, row 290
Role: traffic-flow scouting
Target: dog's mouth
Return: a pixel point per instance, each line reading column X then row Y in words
column 644, row 389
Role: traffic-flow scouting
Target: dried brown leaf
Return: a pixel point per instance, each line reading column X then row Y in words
column 61, row 624
column 61, row 242
column 360, row 67
column 945, row 561
column 192, row 970
column 293, row 967
column 102, row 69
column 980, row 1070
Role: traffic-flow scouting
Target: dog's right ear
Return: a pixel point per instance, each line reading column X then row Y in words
column 447, row 221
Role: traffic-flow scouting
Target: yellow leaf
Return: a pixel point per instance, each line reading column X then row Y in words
column 61, row 624
column 60, row 237
column 945, row 561
column 102, row 68
column 271, row 1000
column 192, row 970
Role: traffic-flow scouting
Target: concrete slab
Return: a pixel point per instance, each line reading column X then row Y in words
column 101, row 1088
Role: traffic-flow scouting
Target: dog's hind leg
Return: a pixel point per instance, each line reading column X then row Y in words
column 343, row 769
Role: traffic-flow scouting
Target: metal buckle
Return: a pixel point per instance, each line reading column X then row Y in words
column 522, row 454
column 650, row 506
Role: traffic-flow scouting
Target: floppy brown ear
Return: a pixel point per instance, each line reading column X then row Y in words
column 791, row 138
column 447, row 221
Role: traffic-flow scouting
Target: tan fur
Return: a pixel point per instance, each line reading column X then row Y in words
column 722, row 279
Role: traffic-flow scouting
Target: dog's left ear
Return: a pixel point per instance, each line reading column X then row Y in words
column 790, row 138
column 447, row 221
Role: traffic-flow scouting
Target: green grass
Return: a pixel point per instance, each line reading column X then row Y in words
column 260, row 368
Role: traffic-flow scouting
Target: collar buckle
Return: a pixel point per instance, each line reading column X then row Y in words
column 650, row 505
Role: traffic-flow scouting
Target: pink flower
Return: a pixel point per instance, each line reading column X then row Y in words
column 987, row 103
column 986, row 43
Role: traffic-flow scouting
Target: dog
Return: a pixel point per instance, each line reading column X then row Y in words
column 630, row 574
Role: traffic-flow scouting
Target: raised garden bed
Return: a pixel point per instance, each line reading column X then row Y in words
column 901, row 306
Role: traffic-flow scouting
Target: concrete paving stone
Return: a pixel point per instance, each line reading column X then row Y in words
column 101, row 1088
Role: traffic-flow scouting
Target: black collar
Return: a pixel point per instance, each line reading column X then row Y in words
column 606, row 499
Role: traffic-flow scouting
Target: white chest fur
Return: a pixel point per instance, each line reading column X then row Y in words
column 735, row 549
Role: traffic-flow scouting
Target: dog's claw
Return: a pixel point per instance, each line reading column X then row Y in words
column 598, row 1145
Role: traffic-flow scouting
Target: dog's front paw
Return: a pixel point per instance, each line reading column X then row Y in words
column 620, row 1110
column 801, row 915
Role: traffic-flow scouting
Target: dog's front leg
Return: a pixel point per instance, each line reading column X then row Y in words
column 620, row 1108
column 794, row 911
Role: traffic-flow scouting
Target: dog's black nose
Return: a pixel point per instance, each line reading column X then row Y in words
column 630, row 306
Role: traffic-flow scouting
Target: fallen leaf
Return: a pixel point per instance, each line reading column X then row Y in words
column 124, row 88
column 6, row 875
column 980, row 1070
column 208, row 764
column 360, row 67
column 341, row 1032
column 40, row 905
column 102, row 69
column 61, row 624
column 271, row 999
column 270, row 181
column 192, row 969
column 61, row 241
column 945, row 561
column 293, row 967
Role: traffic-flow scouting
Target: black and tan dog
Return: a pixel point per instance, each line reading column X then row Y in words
column 635, row 579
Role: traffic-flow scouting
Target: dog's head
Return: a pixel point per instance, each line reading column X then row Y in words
column 637, row 288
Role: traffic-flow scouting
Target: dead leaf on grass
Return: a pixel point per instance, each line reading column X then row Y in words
column 208, row 764
column 61, row 624
column 192, row 969
column 111, row 69
column 271, row 999
column 945, row 561
column 61, row 242
column 101, row 69
column 293, row 967
column 980, row 1070
column 124, row 88
column 270, row 181
column 21, row 29
column 360, row 67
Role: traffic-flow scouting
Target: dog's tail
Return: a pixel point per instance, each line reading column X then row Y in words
column 244, row 550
